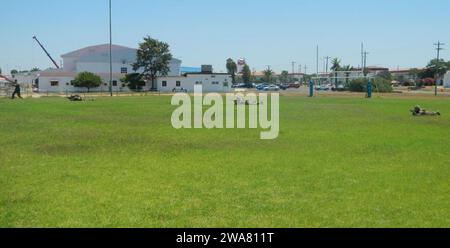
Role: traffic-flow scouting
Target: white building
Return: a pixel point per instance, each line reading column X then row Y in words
column 447, row 80
column 26, row 79
column 5, row 86
column 95, row 59
column 343, row 77
column 211, row 82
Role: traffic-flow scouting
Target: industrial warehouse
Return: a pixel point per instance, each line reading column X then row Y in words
column 95, row 59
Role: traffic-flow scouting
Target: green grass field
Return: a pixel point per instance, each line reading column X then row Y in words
column 338, row 162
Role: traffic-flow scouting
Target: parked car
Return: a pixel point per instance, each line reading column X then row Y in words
column 272, row 87
column 340, row 87
column 177, row 90
column 261, row 86
column 283, row 86
column 296, row 86
column 243, row 86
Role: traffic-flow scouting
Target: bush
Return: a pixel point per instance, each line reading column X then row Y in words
column 133, row 81
column 409, row 83
column 87, row 80
column 378, row 85
column 427, row 81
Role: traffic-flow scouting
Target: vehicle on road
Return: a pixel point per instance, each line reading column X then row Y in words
column 283, row 86
column 261, row 86
column 178, row 90
column 339, row 87
column 272, row 87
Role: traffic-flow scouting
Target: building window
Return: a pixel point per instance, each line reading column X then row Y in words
column 178, row 83
column 225, row 84
column 198, row 83
column 67, row 84
column 164, row 83
column 215, row 83
column 124, row 70
column 114, row 83
column 54, row 83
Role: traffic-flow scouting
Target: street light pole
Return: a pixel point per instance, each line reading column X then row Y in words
column 438, row 49
column 293, row 70
column 110, row 49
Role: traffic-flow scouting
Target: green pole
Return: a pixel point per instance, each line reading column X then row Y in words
column 369, row 89
column 311, row 88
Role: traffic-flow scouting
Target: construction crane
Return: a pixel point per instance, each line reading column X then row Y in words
column 43, row 48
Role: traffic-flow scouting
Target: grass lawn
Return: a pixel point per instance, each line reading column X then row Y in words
column 338, row 162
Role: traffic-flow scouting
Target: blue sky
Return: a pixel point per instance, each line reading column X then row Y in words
column 396, row 33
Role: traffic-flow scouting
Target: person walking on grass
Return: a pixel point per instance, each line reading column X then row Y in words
column 16, row 91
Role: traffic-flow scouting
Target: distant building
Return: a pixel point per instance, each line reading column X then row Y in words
column 404, row 74
column 355, row 73
column 240, row 65
column 447, row 80
column 210, row 82
column 190, row 69
column 27, row 79
column 5, row 86
column 95, row 59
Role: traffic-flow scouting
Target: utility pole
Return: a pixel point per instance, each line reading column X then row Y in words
column 439, row 48
column 365, row 63
column 317, row 61
column 110, row 49
column 362, row 57
column 326, row 65
column 293, row 70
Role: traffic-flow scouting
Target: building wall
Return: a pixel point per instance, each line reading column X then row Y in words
column 96, row 59
column 447, row 80
column 69, row 64
column 406, row 75
column 65, row 85
column 210, row 82
column 26, row 79
column 103, row 67
column 96, row 67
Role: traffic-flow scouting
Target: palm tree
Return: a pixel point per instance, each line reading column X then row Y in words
column 232, row 69
column 336, row 66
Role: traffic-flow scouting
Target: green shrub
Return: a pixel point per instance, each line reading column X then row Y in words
column 378, row 85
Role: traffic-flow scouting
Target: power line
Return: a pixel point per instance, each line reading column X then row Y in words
column 364, row 54
column 326, row 65
column 439, row 48
column 317, row 60
column 110, row 49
